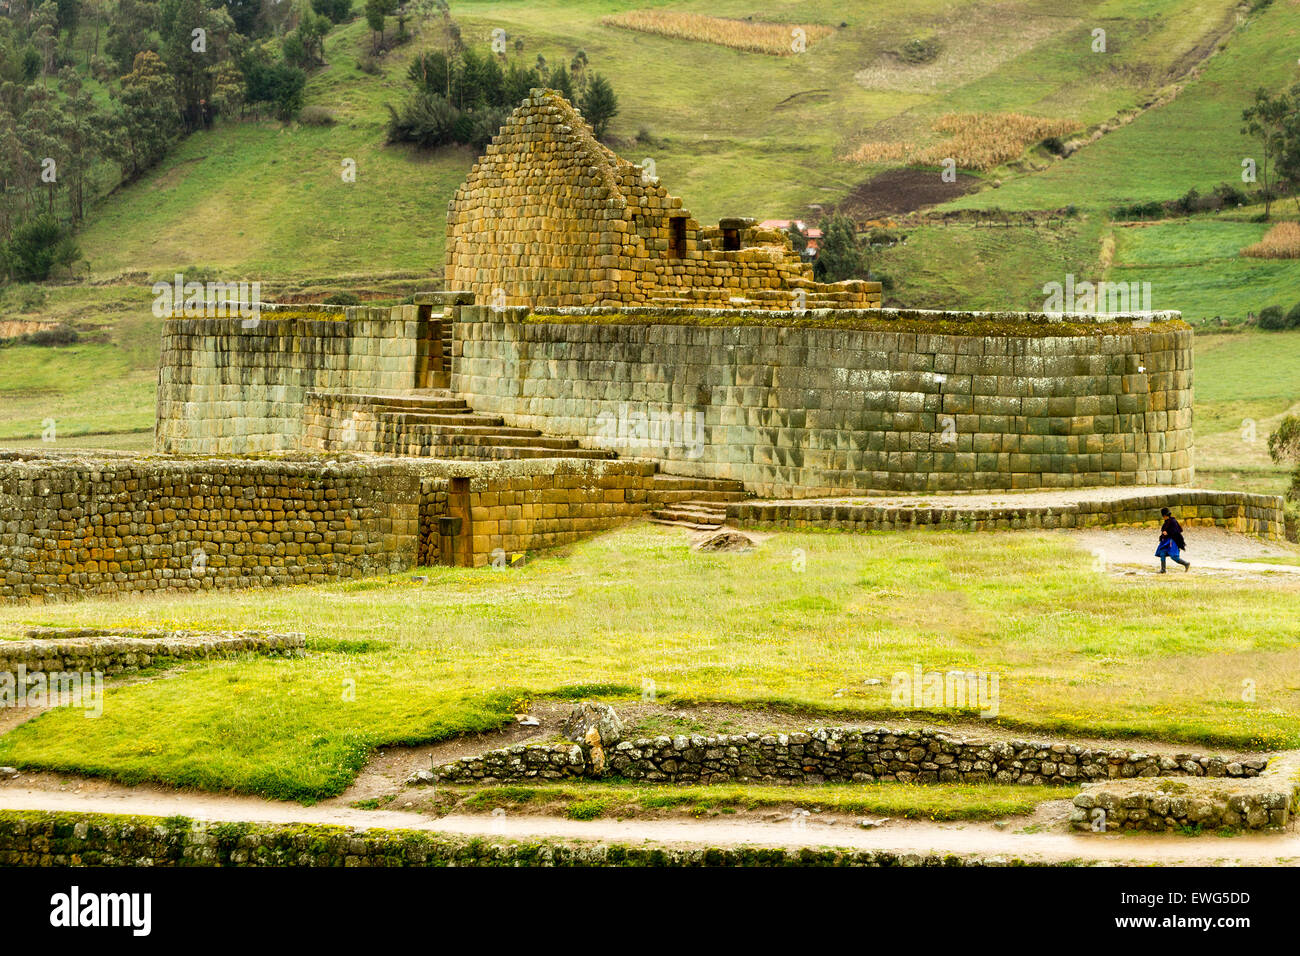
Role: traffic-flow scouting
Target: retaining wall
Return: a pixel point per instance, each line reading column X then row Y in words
column 1262, row 515
column 230, row 387
column 834, row 754
column 1265, row 802
column 84, row 650
column 846, row 401
column 113, row 526
column 497, row 510
column 71, row 526
column 34, row 838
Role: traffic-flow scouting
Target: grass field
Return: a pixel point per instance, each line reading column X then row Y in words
column 1077, row 651
column 588, row 800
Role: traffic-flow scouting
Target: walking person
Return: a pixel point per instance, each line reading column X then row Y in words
column 1172, row 542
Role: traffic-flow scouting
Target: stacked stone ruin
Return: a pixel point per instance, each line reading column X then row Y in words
column 550, row 217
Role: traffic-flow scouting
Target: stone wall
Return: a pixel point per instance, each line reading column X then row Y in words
column 84, row 650
column 1265, row 802
column 1262, row 515
column 824, row 754
column 233, row 386
column 71, row 526
column 847, row 402
column 549, row 216
column 500, row 511
column 37, row 838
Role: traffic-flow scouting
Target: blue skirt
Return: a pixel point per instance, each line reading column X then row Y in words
column 1168, row 549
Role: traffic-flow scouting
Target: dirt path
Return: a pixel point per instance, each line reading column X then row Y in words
column 967, row 839
column 1215, row 551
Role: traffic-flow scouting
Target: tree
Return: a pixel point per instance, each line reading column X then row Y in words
column 840, row 255
column 1284, row 444
column 305, row 46
column 195, row 44
column 45, row 34
column 561, row 81
column 243, row 14
column 147, row 122
column 131, row 31
column 1267, row 120
column 336, row 10
column 376, row 11
column 798, row 238
column 599, row 105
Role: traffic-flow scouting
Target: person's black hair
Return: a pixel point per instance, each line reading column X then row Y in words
column 1164, row 511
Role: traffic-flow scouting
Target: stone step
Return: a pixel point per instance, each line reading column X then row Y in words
column 694, row 515
column 453, row 437
column 692, row 525
column 452, row 421
column 673, row 482
column 430, row 399
column 456, row 428
column 660, row 497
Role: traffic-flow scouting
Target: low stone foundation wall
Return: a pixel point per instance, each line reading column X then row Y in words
column 824, row 754
column 1265, row 802
column 51, row 650
column 1261, row 515
column 30, row 838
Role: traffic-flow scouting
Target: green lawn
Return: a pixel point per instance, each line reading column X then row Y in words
column 1076, row 651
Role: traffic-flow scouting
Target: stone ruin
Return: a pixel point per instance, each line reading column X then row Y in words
column 550, row 217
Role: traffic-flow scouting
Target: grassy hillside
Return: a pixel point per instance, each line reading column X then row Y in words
column 732, row 132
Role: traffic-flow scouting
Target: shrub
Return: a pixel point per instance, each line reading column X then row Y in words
column 1272, row 318
column 426, row 119
column 920, row 50
column 277, row 85
column 317, row 116
column 58, row 335
column 37, row 247
column 369, row 63
column 1284, row 444
column 342, row 298
column 1292, row 320
column 486, row 124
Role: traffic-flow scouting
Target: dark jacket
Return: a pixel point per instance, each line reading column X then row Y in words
column 1172, row 529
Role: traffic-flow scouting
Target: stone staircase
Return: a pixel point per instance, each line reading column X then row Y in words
column 699, row 504
column 429, row 423
column 436, row 423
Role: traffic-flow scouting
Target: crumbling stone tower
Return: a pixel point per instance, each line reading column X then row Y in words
column 550, row 217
